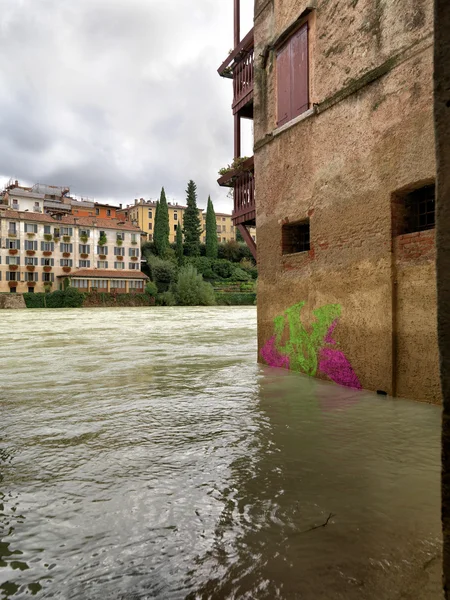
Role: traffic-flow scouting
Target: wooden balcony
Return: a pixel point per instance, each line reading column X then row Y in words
column 243, row 182
column 239, row 67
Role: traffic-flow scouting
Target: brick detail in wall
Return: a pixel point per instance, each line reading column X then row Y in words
column 415, row 246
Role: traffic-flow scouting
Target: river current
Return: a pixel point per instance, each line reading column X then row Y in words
column 144, row 454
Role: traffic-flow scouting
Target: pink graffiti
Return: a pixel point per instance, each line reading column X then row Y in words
column 328, row 337
column 334, row 363
column 272, row 357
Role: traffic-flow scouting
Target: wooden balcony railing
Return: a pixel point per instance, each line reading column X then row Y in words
column 239, row 67
column 243, row 182
column 243, row 82
column 244, row 200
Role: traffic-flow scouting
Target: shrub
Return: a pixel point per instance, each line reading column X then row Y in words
column 237, row 250
column 34, row 300
column 240, row 275
column 222, row 268
column 203, row 266
column 236, row 299
column 247, row 264
column 162, row 272
column 232, row 251
column 166, row 299
column 191, row 290
column 151, row 289
column 55, row 299
column 73, row 298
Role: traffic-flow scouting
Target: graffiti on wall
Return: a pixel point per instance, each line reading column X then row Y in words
column 310, row 352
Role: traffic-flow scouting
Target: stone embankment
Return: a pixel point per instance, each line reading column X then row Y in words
column 12, row 301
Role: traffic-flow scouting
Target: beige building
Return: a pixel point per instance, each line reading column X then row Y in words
column 342, row 189
column 38, row 251
column 142, row 214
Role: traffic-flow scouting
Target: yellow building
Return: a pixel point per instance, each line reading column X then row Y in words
column 142, row 214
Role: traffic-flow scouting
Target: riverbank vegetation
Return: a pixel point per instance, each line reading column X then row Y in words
column 192, row 273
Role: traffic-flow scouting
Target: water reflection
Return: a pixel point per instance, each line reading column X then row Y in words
column 135, row 466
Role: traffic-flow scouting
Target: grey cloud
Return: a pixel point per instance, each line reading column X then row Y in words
column 116, row 98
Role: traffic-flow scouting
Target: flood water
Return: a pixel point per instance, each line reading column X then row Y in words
column 144, row 454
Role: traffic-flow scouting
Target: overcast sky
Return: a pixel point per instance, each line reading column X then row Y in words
column 116, row 98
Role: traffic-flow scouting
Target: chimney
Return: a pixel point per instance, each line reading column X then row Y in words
column 136, row 201
column 16, row 183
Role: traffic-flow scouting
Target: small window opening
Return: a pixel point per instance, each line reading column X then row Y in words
column 414, row 210
column 295, row 237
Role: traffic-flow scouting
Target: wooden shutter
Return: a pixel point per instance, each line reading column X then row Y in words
column 284, row 85
column 299, row 72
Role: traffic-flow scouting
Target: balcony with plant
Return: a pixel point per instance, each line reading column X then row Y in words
column 30, row 252
column 66, row 238
column 31, row 268
column 48, row 237
column 102, row 240
column 84, row 238
column 47, row 269
column 13, row 251
column 66, row 254
column 13, row 267
column 47, row 253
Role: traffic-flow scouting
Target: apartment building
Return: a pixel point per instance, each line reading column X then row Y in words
column 38, row 251
column 142, row 214
column 341, row 187
column 53, row 200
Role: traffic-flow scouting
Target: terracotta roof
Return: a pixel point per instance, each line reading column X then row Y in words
column 27, row 216
column 100, row 222
column 111, row 273
column 71, row 220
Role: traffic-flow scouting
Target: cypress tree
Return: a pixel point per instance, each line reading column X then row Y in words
column 191, row 222
column 211, row 231
column 156, row 223
column 179, row 244
column 161, row 234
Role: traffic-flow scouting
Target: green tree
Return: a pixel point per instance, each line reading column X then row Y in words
column 161, row 232
column 179, row 244
column 239, row 237
column 191, row 222
column 211, row 231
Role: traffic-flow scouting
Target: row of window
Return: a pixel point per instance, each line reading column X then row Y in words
column 118, row 284
column 60, row 231
column 65, row 247
column 68, row 262
column 27, row 276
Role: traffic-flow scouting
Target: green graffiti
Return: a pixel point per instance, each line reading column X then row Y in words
column 303, row 347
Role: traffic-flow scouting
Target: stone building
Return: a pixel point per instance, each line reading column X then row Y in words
column 38, row 251
column 344, row 174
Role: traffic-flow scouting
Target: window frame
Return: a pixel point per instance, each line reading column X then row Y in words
column 291, row 82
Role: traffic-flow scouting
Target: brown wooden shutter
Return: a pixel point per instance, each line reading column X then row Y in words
column 284, row 84
column 299, row 72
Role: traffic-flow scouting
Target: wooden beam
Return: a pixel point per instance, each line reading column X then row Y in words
column 248, row 239
column 237, row 136
column 237, row 22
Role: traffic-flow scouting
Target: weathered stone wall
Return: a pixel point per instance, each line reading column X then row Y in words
column 12, row 301
column 370, row 135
